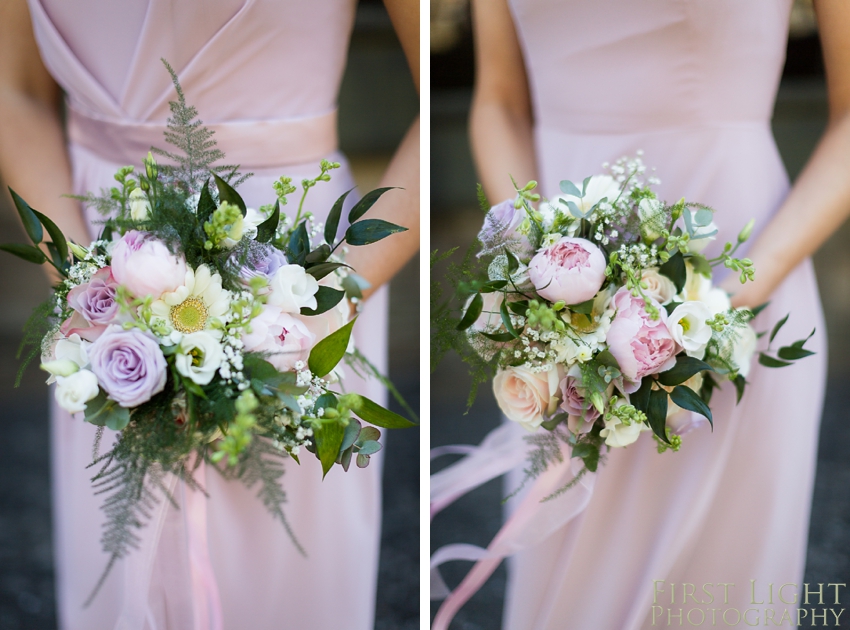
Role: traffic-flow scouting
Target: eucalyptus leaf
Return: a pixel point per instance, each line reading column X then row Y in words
column 328, row 437
column 227, row 193
column 28, row 218
column 369, row 447
column 363, row 206
column 369, row 433
column 332, row 223
column 574, row 210
column 684, row 369
column 686, row 215
column 703, row 217
column 103, row 412
column 329, row 351
column 688, row 399
column 267, row 229
column 584, row 185
column 568, row 188
column 354, row 285
column 326, row 299
column 472, row 313
column 362, row 461
column 373, row 413
column 607, row 359
column 700, row 264
column 370, row 231
column 352, row 432
column 27, row 252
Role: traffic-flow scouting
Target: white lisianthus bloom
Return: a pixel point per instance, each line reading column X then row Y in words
column 688, row 327
column 74, row 391
column 292, row 289
column 199, row 356
column 200, row 304
column 697, row 244
column 140, row 207
column 618, row 434
column 658, row 286
column 745, row 347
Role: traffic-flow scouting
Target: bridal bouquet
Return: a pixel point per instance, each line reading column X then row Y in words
column 199, row 329
column 599, row 316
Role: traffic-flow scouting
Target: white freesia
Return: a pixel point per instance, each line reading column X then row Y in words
column 698, row 242
column 743, row 350
column 74, row 391
column 658, row 286
column 617, row 434
column 688, row 327
column 292, row 289
column 198, row 357
column 200, row 304
column 140, row 207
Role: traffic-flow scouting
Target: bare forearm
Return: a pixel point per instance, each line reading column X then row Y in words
column 502, row 147
column 815, row 207
column 34, row 161
column 379, row 262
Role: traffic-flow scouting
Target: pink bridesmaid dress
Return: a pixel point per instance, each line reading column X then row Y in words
column 691, row 83
column 264, row 76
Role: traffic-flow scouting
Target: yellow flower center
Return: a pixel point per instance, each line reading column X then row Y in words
column 685, row 324
column 189, row 316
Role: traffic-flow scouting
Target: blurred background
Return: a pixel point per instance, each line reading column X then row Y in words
column 377, row 104
column 799, row 119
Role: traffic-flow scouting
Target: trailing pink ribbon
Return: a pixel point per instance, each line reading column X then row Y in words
column 532, row 522
column 169, row 581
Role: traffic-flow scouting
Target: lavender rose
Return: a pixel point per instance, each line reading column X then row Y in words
column 501, row 227
column 96, row 300
column 573, row 399
column 264, row 260
column 572, row 270
column 129, row 365
column 144, row 265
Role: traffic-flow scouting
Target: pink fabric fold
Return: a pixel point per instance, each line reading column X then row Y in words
column 532, row 522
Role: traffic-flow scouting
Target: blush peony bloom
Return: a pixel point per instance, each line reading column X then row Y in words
column 640, row 344
column 283, row 337
column 145, row 266
column 129, row 365
column 572, row 270
column 524, row 396
column 95, row 300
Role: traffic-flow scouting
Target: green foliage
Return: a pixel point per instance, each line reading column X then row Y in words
column 38, row 331
column 329, row 351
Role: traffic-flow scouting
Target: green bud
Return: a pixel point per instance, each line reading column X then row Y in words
column 747, row 231
column 530, row 186
column 78, row 251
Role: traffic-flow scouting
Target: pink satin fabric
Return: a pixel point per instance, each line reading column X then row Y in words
column 692, row 84
column 264, row 76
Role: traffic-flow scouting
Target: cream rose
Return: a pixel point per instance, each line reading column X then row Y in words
column 658, row 286
column 524, row 395
column 292, row 289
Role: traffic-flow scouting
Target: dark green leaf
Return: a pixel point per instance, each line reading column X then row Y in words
column 671, row 306
column 520, row 308
column 320, row 270
column 55, row 234
column 700, row 264
column 299, row 245
column 329, row 351
column 708, row 387
column 656, row 413
column 27, row 252
column 227, row 193
column 472, row 313
column 326, row 401
column 687, row 398
column 758, row 309
column 373, row 413
column 674, row 269
column 206, row 205
column 513, row 263
column 493, row 286
column 326, row 299
column 790, row 353
column 193, row 388
column 554, row 421
column 56, row 256
column 332, row 224
column 266, row 230
column 318, row 255
column 591, row 460
column 684, row 369
column 582, row 450
column 328, row 437
column 740, row 385
column 801, row 342
column 640, row 398
column 363, row 206
column 506, row 320
column 500, row 337
column 776, row 328
column 585, row 308
column 28, row 218
column 370, row 231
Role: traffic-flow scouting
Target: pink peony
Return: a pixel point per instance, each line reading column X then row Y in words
column 572, row 270
column 525, row 396
column 280, row 335
column 641, row 345
column 144, row 265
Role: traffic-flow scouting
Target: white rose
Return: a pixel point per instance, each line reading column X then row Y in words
column 617, row 434
column 651, row 218
column 688, row 327
column 292, row 289
column 140, row 207
column 524, row 396
column 745, row 347
column 698, row 243
column 74, row 391
column 658, row 286
column 198, row 357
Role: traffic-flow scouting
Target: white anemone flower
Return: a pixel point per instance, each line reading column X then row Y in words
column 198, row 305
